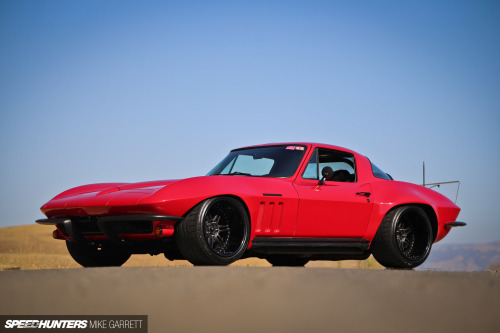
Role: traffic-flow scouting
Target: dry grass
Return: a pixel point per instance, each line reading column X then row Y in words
column 494, row 268
column 32, row 247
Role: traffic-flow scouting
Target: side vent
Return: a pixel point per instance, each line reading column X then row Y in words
column 269, row 218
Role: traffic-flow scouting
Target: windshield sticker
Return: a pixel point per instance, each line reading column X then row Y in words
column 295, row 148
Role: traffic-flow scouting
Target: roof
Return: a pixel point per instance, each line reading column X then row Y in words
column 308, row 144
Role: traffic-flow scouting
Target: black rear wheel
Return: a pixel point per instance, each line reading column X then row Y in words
column 404, row 238
column 106, row 254
column 215, row 232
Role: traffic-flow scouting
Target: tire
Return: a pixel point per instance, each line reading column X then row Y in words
column 286, row 260
column 215, row 232
column 92, row 256
column 404, row 238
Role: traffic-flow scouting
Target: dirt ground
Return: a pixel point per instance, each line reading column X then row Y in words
column 263, row 299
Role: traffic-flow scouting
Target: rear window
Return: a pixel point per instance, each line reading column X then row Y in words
column 379, row 173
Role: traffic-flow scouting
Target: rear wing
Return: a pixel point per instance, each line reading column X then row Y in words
column 431, row 185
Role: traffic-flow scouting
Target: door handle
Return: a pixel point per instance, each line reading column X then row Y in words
column 364, row 194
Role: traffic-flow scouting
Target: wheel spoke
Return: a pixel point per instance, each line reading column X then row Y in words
column 405, row 235
column 220, row 240
column 217, row 240
column 222, row 247
column 224, row 228
column 210, row 241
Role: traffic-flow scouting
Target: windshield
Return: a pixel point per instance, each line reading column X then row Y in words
column 270, row 161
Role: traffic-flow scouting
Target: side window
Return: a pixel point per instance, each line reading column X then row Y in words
column 342, row 164
column 311, row 171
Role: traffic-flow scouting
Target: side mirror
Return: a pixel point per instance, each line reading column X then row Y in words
column 327, row 173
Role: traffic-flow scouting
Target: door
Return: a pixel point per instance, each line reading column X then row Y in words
column 339, row 208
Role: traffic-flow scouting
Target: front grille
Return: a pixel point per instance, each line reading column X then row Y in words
column 133, row 227
column 88, row 226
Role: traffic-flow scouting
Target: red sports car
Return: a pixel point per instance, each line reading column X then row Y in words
column 287, row 203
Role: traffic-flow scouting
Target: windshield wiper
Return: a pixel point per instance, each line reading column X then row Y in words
column 237, row 173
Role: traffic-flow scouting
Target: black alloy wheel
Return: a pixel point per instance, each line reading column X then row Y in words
column 404, row 238
column 215, row 232
column 412, row 238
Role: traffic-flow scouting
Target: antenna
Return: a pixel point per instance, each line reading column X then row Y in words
column 423, row 172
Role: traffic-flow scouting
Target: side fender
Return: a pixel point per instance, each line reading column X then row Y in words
column 272, row 203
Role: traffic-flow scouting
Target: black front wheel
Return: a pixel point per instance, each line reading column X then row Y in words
column 97, row 256
column 215, row 232
column 404, row 238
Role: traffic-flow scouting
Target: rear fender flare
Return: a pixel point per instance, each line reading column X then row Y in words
column 374, row 225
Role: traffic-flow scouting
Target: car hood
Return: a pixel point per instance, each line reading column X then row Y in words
column 100, row 196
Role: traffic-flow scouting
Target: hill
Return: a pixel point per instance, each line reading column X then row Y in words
column 467, row 257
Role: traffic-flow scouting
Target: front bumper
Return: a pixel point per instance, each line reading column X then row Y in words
column 117, row 229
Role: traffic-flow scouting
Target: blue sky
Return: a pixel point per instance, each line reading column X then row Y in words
column 98, row 91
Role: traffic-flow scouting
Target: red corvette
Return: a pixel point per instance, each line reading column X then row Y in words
column 288, row 203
